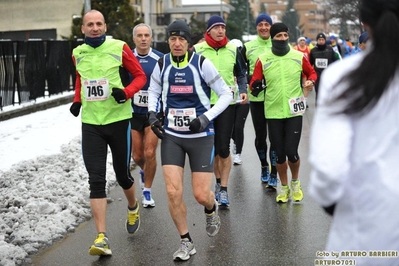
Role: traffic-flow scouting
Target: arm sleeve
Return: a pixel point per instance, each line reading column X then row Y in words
column 330, row 142
column 258, row 73
column 308, row 70
column 244, row 55
column 155, row 89
column 240, row 72
column 216, row 82
column 311, row 58
column 78, row 84
column 132, row 65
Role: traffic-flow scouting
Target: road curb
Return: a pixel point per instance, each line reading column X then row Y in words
column 5, row 115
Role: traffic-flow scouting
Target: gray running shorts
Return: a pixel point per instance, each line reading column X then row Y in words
column 200, row 152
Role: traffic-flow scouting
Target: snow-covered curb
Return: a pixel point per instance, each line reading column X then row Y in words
column 42, row 200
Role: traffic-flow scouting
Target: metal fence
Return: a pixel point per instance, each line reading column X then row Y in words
column 33, row 69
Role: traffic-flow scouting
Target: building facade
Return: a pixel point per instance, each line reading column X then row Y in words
column 45, row 19
column 160, row 13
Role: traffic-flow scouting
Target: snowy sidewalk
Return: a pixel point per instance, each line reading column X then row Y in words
column 43, row 183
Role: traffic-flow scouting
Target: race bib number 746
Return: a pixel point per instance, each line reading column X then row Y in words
column 96, row 89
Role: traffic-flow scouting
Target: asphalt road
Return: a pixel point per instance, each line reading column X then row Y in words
column 255, row 229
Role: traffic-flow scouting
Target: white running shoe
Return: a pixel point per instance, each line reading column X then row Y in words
column 237, row 159
column 147, row 200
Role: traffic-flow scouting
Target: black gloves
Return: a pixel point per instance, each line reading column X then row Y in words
column 257, row 87
column 75, row 108
column 330, row 209
column 155, row 124
column 119, row 95
column 199, row 124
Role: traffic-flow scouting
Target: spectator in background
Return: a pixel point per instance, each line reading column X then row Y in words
column 321, row 57
column 349, row 43
column 346, row 49
column 251, row 52
column 230, row 64
column 363, row 38
column 106, row 114
column 144, row 141
column 337, row 47
column 303, row 48
column 309, row 43
column 197, row 38
column 354, row 145
column 241, row 113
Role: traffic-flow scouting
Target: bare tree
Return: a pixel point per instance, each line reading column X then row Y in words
column 345, row 10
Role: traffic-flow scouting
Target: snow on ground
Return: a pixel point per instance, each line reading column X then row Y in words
column 43, row 183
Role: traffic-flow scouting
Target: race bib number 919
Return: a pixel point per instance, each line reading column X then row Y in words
column 297, row 105
column 96, row 90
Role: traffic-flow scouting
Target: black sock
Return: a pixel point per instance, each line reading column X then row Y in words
column 211, row 210
column 218, row 180
column 132, row 209
column 223, row 188
column 186, row 236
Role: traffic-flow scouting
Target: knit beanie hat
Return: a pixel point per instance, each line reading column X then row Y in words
column 263, row 16
column 179, row 28
column 301, row 39
column 321, row 35
column 214, row 21
column 277, row 28
column 196, row 37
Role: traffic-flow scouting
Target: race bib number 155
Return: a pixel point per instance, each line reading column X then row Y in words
column 179, row 119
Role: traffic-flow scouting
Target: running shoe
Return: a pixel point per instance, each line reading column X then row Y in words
column 213, row 222
column 133, row 220
column 141, row 179
column 100, row 246
column 284, row 194
column 186, row 250
column 217, row 192
column 265, row 175
column 147, row 200
column 272, row 183
column 224, row 198
column 234, row 148
column 237, row 159
column 297, row 193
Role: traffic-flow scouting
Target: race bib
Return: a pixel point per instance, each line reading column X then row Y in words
column 321, row 62
column 96, row 89
column 297, row 105
column 141, row 98
column 179, row 119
